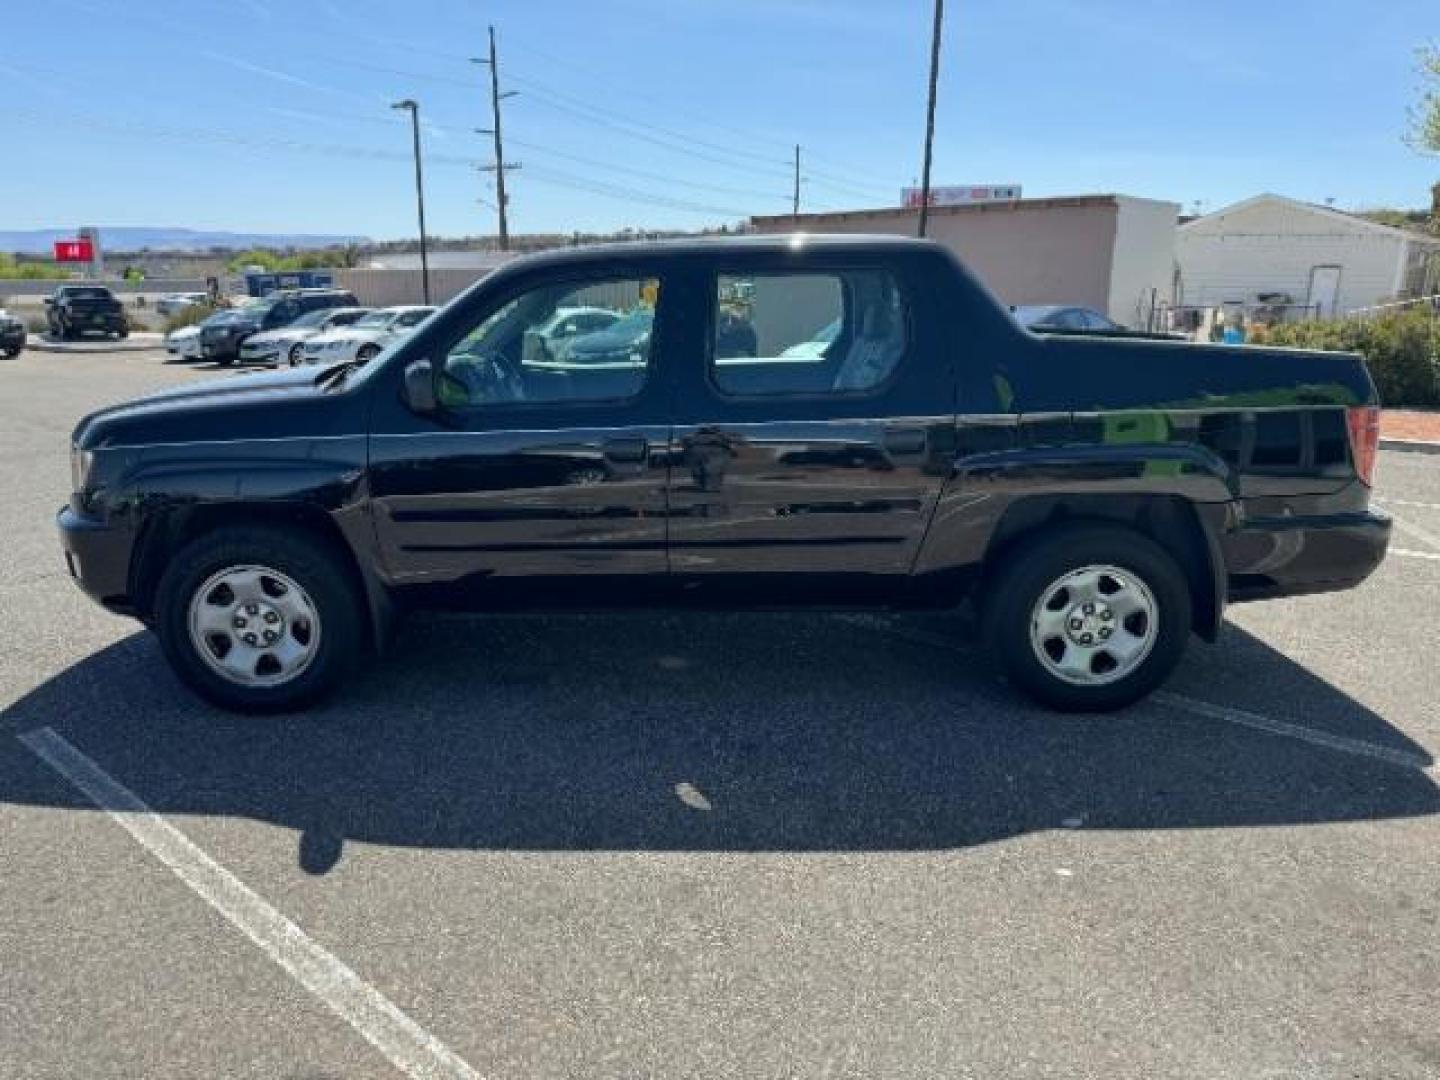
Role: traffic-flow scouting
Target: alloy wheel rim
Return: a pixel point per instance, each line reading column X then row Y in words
column 1094, row 626
column 254, row 626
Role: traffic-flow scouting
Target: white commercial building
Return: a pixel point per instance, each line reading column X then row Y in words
column 1324, row 260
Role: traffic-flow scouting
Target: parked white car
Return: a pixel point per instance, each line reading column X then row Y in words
column 172, row 303
column 284, row 345
column 184, row 342
column 366, row 338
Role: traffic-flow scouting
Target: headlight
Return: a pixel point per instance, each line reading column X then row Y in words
column 81, row 462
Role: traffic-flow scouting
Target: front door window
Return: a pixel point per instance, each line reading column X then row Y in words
column 524, row 354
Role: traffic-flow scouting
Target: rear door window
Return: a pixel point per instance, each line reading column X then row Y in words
column 841, row 332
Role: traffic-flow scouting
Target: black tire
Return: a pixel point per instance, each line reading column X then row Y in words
column 10, row 354
column 296, row 351
column 1016, row 590
column 366, row 353
column 225, row 361
column 122, row 334
column 311, row 564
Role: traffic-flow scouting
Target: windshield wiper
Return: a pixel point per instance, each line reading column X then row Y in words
column 334, row 375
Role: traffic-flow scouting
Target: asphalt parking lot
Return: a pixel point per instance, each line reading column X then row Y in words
column 730, row 845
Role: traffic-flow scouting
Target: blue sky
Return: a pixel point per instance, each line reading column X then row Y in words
column 273, row 114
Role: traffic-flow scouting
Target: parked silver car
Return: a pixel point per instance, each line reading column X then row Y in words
column 284, row 346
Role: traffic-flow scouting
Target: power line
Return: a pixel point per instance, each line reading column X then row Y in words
column 696, row 114
column 770, row 160
column 669, row 105
column 189, row 136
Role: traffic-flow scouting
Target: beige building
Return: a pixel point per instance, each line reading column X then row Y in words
column 1112, row 253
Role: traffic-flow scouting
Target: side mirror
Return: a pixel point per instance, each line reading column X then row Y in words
column 419, row 388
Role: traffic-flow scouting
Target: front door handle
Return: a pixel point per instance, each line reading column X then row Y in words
column 625, row 450
column 905, row 441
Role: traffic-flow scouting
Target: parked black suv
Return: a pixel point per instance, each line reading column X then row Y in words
column 73, row 310
column 221, row 334
column 1101, row 499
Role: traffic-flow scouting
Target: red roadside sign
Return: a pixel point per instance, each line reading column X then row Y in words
column 74, row 251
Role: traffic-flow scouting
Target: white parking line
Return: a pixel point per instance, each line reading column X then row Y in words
column 1240, row 717
column 1408, row 554
column 1410, row 502
column 1418, row 533
column 410, row 1048
column 1293, row 731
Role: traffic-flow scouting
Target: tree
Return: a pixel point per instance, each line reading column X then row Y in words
column 1425, row 117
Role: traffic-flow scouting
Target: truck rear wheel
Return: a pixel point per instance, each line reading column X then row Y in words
column 257, row 620
column 1088, row 618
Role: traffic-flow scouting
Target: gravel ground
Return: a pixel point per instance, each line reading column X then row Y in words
column 725, row 845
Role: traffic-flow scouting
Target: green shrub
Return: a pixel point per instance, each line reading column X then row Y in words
column 1401, row 349
column 188, row 316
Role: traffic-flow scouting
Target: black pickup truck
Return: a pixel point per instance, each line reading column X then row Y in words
column 838, row 421
column 73, row 310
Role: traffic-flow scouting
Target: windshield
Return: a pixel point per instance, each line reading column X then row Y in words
column 87, row 294
column 1029, row 314
column 311, row 318
column 637, row 322
column 375, row 318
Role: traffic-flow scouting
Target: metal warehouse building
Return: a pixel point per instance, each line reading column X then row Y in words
column 1324, row 260
column 1112, row 253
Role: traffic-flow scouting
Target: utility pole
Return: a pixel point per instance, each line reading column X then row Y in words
column 930, row 117
column 413, row 108
column 795, row 205
column 499, row 168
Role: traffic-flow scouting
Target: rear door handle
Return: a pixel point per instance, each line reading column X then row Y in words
column 625, row 450
column 905, row 440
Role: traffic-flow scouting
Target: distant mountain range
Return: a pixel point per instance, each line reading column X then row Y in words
column 133, row 238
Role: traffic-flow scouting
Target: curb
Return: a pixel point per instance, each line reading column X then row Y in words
column 1410, row 446
column 139, row 342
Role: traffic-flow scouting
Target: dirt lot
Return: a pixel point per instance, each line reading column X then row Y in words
column 741, row 846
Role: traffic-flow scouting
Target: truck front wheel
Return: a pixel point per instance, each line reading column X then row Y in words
column 257, row 620
column 1087, row 618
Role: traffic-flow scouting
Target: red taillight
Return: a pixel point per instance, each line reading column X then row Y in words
column 1363, row 423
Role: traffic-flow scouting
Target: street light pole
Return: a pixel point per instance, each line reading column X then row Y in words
column 413, row 107
column 930, row 116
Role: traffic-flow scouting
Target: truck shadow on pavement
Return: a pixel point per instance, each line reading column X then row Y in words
column 708, row 733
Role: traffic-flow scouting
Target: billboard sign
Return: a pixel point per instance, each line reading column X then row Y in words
column 961, row 195
column 73, row 251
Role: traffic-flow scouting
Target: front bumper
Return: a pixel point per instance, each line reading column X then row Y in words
column 219, row 349
column 259, row 354
column 97, row 555
column 109, row 322
column 1276, row 557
